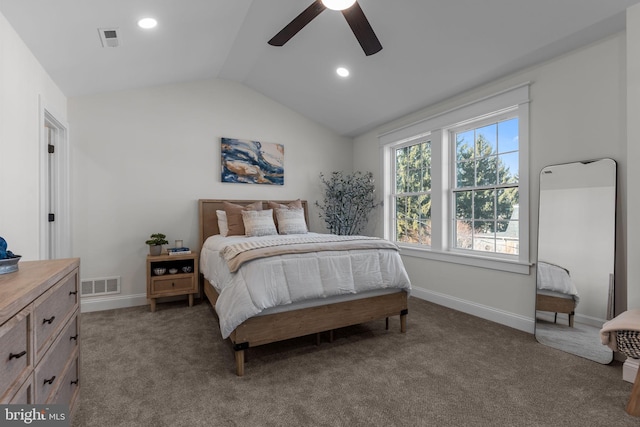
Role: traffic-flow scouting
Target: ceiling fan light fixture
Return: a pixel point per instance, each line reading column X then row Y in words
column 338, row 4
column 351, row 11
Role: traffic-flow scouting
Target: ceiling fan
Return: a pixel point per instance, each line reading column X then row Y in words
column 353, row 14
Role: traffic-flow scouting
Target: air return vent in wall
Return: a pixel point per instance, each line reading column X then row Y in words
column 100, row 286
column 109, row 37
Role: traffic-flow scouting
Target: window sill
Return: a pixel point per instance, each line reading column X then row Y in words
column 508, row 265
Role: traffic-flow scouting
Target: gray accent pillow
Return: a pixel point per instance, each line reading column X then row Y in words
column 258, row 223
column 291, row 221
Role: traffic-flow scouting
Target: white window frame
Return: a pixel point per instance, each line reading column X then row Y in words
column 513, row 101
column 414, row 141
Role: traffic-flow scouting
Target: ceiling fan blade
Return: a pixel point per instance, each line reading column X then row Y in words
column 297, row 24
column 362, row 29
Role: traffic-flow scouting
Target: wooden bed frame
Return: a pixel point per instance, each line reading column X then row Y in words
column 270, row 328
column 556, row 305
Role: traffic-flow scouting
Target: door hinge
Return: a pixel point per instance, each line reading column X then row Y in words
column 51, row 148
column 52, row 217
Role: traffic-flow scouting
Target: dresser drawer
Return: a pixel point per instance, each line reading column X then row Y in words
column 50, row 370
column 16, row 357
column 24, row 394
column 70, row 383
column 51, row 310
column 169, row 285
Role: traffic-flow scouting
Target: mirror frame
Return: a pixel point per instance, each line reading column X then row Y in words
column 603, row 356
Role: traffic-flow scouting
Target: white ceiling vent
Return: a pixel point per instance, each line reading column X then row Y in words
column 109, row 37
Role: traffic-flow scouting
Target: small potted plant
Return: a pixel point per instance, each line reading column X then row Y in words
column 155, row 243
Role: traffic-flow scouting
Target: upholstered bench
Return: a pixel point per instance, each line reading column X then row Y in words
column 622, row 333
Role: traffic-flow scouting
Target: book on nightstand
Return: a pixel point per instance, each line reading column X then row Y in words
column 178, row 251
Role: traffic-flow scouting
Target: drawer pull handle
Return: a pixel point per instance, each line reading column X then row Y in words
column 17, row 356
column 75, row 337
column 173, row 284
column 73, row 292
column 48, row 320
column 50, row 381
column 74, row 382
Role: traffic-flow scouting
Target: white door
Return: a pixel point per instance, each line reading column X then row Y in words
column 55, row 231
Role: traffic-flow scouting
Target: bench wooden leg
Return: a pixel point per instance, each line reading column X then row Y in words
column 403, row 322
column 633, row 407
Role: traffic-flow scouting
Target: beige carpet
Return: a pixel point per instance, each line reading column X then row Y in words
column 171, row 368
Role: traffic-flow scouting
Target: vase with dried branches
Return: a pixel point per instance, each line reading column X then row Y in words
column 349, row 199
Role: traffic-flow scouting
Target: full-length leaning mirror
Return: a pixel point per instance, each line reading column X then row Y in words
column 576, row 256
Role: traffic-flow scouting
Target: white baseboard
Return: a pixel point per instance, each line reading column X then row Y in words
column 89, row 304
column 516, row 321
column 630, row 369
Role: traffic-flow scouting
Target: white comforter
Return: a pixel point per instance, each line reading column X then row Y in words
column 284, row 279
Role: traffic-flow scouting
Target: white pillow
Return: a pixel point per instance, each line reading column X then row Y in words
column 291, row 221
column 258, row 223
column 222, row 223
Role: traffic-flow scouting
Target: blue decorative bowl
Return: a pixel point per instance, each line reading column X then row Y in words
column 9, row 265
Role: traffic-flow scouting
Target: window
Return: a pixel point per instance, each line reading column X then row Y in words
column 485, row 192
column 456, row 184
column 413, row 193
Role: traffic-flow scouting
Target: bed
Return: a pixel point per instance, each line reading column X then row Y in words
column 556, row 291
column 289, row 320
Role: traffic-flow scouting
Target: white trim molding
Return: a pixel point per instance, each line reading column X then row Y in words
column 90, row 304
column 516, row 95
column 512, row 320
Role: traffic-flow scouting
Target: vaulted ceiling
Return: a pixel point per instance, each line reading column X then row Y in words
column 432, row 50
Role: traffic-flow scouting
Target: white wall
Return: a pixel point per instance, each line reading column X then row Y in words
column 23, row 82
column 633, row 154
column 142, row 158
column 577, row 113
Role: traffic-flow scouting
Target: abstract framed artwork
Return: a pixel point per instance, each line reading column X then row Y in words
column 252, row 162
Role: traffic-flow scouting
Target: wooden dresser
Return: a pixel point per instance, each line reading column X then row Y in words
column 39, row 333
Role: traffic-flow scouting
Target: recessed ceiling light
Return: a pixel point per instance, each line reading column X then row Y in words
column 342, row 72
column 338, row 4
column 147, row 23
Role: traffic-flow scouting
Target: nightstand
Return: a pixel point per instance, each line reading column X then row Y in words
column 167, row 284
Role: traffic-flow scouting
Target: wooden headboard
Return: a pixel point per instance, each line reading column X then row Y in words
column 209, row 220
